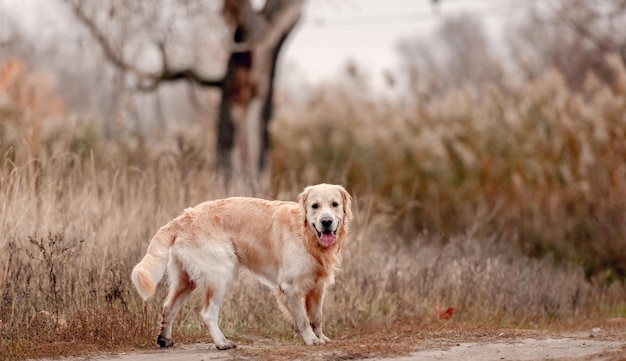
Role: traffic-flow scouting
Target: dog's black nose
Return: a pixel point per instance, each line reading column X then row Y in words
column 326, row 223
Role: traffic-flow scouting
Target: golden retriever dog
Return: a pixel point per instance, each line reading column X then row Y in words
column 292, row 247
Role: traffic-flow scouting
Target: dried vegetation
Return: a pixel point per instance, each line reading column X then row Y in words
column 505, row 203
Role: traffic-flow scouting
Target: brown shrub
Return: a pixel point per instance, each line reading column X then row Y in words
column 538, row 163
column 517, row 164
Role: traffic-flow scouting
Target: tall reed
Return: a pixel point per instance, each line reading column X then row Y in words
column 531, row 160
column 442, row 189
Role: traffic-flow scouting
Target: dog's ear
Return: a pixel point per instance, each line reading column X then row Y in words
column 302, row 199
column 347, row 202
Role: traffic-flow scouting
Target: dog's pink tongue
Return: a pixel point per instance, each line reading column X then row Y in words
column 327, row 239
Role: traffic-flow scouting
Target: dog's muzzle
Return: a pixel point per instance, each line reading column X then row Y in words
column 326, row 233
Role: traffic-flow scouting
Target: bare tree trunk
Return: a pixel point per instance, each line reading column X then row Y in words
column 247, row 86
column 235, row 98
column 247, row 97
column 268, row 108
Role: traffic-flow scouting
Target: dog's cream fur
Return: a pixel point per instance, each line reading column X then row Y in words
column 292, row 247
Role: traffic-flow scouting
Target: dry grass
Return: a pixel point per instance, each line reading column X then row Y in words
column 77, row 211
column 533, row 161
column 71, row 240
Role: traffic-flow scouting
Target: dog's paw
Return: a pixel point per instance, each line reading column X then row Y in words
column 323, row 338
column 164, row 342
column 319, row 334
column 313, row 341
column 226, row 345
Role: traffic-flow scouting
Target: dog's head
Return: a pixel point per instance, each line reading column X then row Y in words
column 327, row 208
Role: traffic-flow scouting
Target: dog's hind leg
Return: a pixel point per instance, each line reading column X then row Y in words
column 213, row 298
column 180, row 289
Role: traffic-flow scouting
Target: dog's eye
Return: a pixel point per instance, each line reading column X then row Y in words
column 335, row 204
column 315, row 206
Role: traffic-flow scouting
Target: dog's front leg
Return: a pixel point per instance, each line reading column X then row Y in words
column 293, row 300
column 314, row 302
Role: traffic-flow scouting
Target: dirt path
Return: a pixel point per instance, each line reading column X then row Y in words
column 525, row 349
column 553, row 347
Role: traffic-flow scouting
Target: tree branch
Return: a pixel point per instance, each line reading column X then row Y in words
column 189, row 74
column 109, row 53
column 281, row 22
column 602, row 44
column 147, row 81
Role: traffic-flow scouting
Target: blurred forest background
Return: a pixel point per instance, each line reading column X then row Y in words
column 115, row 124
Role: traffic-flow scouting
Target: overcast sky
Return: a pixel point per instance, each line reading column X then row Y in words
column 332, row 32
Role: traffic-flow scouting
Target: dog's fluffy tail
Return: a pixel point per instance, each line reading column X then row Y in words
column 149, row 271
